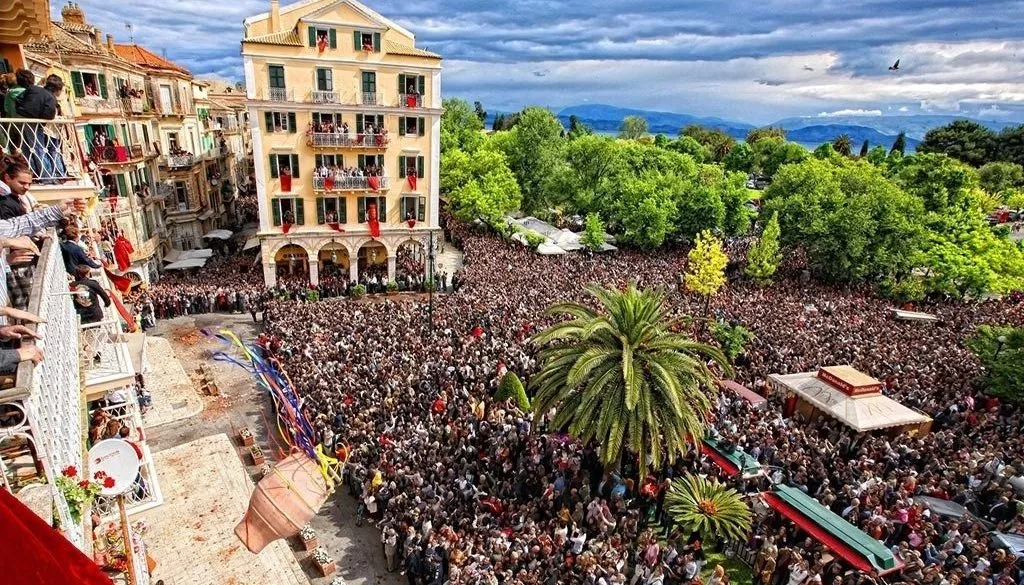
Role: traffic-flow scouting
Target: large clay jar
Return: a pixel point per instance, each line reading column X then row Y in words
column 283, row 502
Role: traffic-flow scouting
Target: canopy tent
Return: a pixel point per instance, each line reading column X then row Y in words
column 1009, row 540
column 251, row 243
column 860, row 410
column 730, row 459
column 755, row 399
column 844, row 539
column 186, row 264
column 943, row 507
column 176, row 255
column 914, row 316
column 219, row 235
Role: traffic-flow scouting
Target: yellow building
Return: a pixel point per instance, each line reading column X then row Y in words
column 345, row 115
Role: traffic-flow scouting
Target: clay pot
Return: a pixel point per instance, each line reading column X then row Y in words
column 283, row 502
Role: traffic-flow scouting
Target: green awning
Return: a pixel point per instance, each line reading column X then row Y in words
column 737, row 458
column 834, row 525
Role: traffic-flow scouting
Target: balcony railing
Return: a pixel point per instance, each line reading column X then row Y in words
column 372, row 99
column 276, row 94
column 105, row 354
column 132, row 105
column 350, row 183
column 50, row 146
column 179, row 161
column 145, row 491
column 169, row 109
column 98, row 105
column 229, row 125
column 118, row 154
column 341, row 140
column 410, row 100
column 324, row 97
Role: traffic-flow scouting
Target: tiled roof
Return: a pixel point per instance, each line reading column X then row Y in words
column 61, row 41
column 75, row 27
column 396, row 49
column 146, row 58
column 287, row 38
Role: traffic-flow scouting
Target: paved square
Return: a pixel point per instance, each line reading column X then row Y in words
column 174, row 396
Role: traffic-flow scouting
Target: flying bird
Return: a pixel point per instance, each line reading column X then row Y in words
column 808, row 68
column 895, row 66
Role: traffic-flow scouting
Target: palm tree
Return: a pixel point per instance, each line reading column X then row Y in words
column 623, row 379
column 708, row 508
column 843, row 145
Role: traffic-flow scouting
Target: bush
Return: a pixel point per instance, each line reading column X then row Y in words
column 534, row 238
column 392, row 286
column 593, row 233
column 907, row 290
column 731, row 338
column 512, row 387
column 359, row 291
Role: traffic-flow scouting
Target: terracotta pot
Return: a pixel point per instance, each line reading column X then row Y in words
column 283, row 502
column 309, row 544
column 257, row 458
column 328, row 569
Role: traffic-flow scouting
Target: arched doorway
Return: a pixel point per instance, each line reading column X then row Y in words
column 410, row 265
column 373, row 264
column 292, row 263
column 334, row 268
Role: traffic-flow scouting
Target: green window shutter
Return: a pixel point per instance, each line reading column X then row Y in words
column 103, row 86
column 268, row 117
column 420, row 126
column 401, row 167
column 422, row 85
column 318, row 160
column 419, row 167
column 275, row 206
column 357, row 38
column 380, row 119
column 320, row 210
column 382, row 208
column 122, row 186
column 292, row 123
column 300, row 212
column 359, row 123
column 78, row 84
column 295, row 166
column 342, row 210
column 361, row 210
column 422, row 211
column 89, row 136
column 401, row 126
column 332, row 38
column 362, row 161
column 340, row 160
column 401, row 83
column 273, row 166
column 312, row 36
column 376, row 42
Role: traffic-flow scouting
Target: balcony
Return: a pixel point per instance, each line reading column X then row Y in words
column 372, row 99
column 145, row 250
column 276, row 94
column 52, row 150
column 180, row 161
column 97, row 105
column 145, row 492
column 410, row 100
column 116, row 155
column 229, row 125
column 105, row 358
column 324, row 97
column 133, row 105
column 169, row 109
column 340, row 140
column 342, row 184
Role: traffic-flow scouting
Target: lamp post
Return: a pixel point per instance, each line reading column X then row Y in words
column 1000, row 341
column 430, row 285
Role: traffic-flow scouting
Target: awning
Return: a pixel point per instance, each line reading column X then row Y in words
column 251, row 243
column 914, row 316
column 186, row 264
column 745, row 393
column 865, row 412
column 942, row 507
column 219, row 235
column 1010, row 540
column 854, row 546
column 176, row 255
column 730, row 460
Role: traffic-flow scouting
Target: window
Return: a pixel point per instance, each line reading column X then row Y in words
column 364, row 203
column 329, row 160
column 276, row 76
column 414, row 208
column 281, row 162
column 410, row 165
column 411, row 84
column 288, row 210
column 369, row 87
column 280, row 121
column 410, row 126
column 371, row 160
column 322, row 38
column 331, row 210
column 365, row 120
column 366, row 41
column 324, row 80
column 181, row 194
column 319, row 119
column 172, row 142
column 89, row 84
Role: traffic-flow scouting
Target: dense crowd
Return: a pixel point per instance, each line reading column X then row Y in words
column 466, row 493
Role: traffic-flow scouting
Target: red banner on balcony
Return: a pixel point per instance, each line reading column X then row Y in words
column 411, row 222
column 286, row 227
column 121, row 283
column 335, row 226
column 329, row 183
column 372, row 220
column 410, row 101
column 321, row 45
column 373, row 182
column 412, row 181
column 122, row 253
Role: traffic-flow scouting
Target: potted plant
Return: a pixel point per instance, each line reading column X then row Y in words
column 338, row 581
column 257, row 455
column 323, row 561
column 264, row 470
column 308, row 537
column 246, row 436
column 79, row 493
column 359, row 291
column 392, row 287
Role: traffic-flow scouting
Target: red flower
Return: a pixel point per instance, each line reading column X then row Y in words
column 99, row 475
column 83, row 484
column 108, row 482
column 70, row 471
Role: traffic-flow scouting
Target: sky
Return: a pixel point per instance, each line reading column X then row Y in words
column 748, row 60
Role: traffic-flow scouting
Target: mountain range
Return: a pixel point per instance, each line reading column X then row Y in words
column 810, row 131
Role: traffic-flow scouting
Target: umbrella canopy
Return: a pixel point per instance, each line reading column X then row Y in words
column 219, row 235
column 251, row 243
column 186, row 264
column 176, row 255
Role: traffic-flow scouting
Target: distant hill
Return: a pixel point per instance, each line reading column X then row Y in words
column 914, row 126
column 814, row 136
column 607, row 119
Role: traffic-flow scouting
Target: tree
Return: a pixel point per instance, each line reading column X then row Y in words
column 641, row 210
column 764, row 255
column 533, row 150
column 731, row 337
column 622, row 379
column 1010, row 144
column 765, row 132
column 900, row 144
column 593, row 233
column 480, row 185
column 939, row 181
column 705, row 267
column 460, row 127
column 735, row 197
column 498, row 123
column 717, row 143
column 843, row 145
column 1015, row 199
column 583, row 178
column 699, row 205
column 481, row 114
column 689, row 146
column 1001, row 352
column 708, row 508
column 633, row 128
column 997, row 177
column 772, row 153
column 963, row 140
column 876, row 156
column 740, row 159
column 577, row 128
column 864, row 149
column 512, row 387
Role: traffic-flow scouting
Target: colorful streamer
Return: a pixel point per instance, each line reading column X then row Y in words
column 292, row 424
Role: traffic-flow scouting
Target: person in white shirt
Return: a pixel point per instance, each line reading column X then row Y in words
column 577, row 541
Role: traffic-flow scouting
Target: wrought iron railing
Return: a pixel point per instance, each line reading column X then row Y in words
column 104, row 353
column 98, row 105
column 349, row 183
column 176, row 161
column 277, row 94
column 344, row 140
column 324, row 97
column 49, row 146
column 372, row 99
column 410, row 100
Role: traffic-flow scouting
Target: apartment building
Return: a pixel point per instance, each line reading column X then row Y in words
column 345, row 115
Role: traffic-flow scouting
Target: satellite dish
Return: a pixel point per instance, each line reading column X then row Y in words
column 114, row 459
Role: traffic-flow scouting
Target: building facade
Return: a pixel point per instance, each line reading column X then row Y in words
column 345, row 114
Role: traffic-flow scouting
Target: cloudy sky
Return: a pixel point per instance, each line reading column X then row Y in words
column 755, row 61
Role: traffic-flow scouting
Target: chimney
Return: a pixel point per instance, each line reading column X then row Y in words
column 97, row 39
column 72, row 14
column 275, row 16
column 110, row 43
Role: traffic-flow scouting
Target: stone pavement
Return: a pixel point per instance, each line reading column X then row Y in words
column 191, row 536
column 450, row 260
column 174, row 396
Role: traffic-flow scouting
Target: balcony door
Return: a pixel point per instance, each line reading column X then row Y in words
column 165, row 99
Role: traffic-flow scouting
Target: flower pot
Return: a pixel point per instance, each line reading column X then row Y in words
column 248, row 440
column 257, row 458
column 309, row 544
column 326, row 570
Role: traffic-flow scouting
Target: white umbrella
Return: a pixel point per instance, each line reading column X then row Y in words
column 186, row 264
column 251, row 243
column 220, row 234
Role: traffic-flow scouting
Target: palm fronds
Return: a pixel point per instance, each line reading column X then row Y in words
column 708, row 508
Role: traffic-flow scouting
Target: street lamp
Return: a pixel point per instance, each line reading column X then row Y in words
column 1000, row 341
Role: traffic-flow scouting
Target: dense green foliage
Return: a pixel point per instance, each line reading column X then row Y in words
column 1003, row 360
column 732, row 338
column 512, row 387
column 593, row 233
column 764, row 255
column 711, row 509
column 633, row 128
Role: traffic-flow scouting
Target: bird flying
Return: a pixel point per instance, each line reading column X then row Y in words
column 895, row 66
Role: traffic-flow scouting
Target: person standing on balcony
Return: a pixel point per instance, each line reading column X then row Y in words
column 38, row 103
column 73, row 252
column 90, row 293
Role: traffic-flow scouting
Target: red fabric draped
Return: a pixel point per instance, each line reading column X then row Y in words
column 373, row 182
column 372, row 220
column 321, row 45
column 286, row 227
column 112, row 201
column 122, row 253
column 335, row 226
column 412, row 182
column 410, row 101
column 121, row 283
column 726, row 465
column 126, row 315
column 36, row 554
